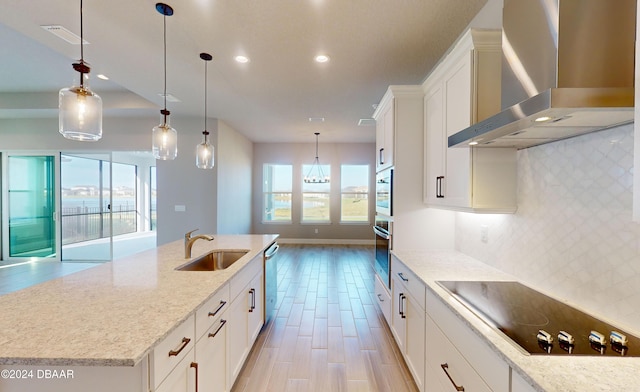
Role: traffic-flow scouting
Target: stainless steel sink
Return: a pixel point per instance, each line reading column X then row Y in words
column 213, row 261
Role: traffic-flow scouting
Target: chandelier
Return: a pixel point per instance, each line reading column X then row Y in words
column 316, row 175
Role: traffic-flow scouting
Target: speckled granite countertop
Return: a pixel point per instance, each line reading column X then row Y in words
column 115, row 313
column 544, row 373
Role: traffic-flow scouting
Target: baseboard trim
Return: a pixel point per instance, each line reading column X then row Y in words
column 324, row 241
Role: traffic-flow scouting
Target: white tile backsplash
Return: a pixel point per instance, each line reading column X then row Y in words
column 572, row 235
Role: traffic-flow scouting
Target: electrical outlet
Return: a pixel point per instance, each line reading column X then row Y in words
column 316, row 230
column 484, row 233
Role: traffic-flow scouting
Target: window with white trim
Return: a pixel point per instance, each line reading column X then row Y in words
column 277, row 192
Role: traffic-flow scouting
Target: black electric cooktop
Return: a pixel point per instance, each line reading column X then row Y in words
column 540, row 324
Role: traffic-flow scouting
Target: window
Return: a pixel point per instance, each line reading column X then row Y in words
column 315, row 198
column 354, row 189
column 277, row 191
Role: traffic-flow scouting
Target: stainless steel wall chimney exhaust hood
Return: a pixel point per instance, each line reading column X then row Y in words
column 567, row 69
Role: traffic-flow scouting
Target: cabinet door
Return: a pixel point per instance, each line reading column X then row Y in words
column 415, row 340
column 398, row 317
column 379, row 142
column 211, row 358
column 237, row 344
column 183, row 377
column 389, row 135
column 256, row 308
column 434, row 145
column 385, row 126
column 457, row 109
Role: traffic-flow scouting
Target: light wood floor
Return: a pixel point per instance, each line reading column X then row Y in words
column 328, row 334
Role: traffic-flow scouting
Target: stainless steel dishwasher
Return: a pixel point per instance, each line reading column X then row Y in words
column 270, row 281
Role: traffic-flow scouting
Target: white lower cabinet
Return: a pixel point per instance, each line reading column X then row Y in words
column 408, row 319
column 211, row 358
column 183, row 377
column 167, row 358
column 245, row 316
column 211, row 347
column 383, row 299
column 456, row 356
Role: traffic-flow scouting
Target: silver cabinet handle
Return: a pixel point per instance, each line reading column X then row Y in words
column 222, row 323
column 444, row 367
column 402, row 277
column 439, row 193
column 222, row 304
column 184, row 343
column 253, row 299
column 380, row 298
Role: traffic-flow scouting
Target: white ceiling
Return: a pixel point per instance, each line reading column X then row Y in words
column 371, row 43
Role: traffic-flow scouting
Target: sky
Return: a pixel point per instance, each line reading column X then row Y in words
column 83, row 171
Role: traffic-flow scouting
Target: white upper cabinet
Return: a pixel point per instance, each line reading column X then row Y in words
column 462, row 90
column 385, row 129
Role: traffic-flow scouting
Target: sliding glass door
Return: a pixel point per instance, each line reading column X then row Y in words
column 29, row 228
column 86, row 213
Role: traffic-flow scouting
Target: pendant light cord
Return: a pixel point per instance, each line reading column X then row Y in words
column 81, row 46
column 205, row 100
column 164, row 19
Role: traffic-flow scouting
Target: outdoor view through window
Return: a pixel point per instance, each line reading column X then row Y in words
column 88, row 197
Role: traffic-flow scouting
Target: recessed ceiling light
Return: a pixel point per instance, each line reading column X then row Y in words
column 103, row 77
column 316, row 119
column 543, row 119
column 321, row 58
column 241, row 59
column 473, row 143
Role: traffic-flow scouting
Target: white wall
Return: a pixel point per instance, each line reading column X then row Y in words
column 297, row 154
column 234, row 168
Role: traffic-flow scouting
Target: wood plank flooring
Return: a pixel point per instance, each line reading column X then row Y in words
column 328, row 334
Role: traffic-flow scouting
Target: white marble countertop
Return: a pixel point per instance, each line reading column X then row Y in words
column 115, row 313
column 544, row 373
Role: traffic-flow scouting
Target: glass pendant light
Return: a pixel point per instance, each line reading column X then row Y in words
column 164, row 137
column 319, row 177
column 204, row 150
column 80, row 109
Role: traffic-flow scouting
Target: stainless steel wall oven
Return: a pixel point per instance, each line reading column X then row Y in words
column 383, row 246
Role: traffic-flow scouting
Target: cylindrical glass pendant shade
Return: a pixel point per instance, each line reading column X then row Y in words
column 205, row 155
column 165, row 142
column 80, row 114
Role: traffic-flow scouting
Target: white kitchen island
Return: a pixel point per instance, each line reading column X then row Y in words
column 97, row 329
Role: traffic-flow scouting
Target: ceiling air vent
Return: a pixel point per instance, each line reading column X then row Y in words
column 366, row 122
column 62, row 32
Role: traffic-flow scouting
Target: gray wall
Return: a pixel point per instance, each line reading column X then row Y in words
column 179, row 182
column 298, row 154
column 233, row 162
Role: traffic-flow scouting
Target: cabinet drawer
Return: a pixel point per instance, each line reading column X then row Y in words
column 208, row 313
column 244, row 276
column 383, row 299
column 170, row 351
column 447, row 365
column 409, row 280
column 491, row 368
